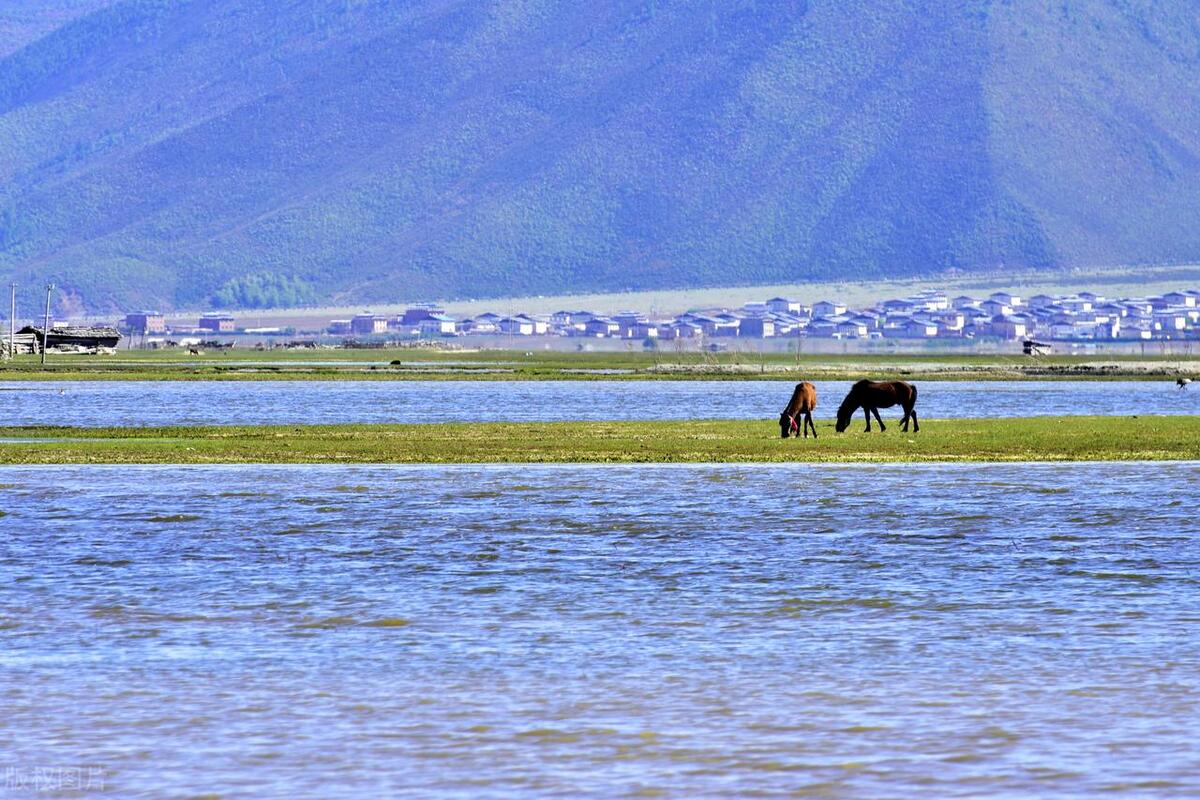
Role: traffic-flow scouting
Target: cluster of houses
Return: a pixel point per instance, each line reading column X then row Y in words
column 930, row 314
column 149, row 323
column 1085, row 316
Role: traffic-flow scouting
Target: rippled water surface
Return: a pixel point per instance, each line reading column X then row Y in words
column 577, row 631
column 229, row 403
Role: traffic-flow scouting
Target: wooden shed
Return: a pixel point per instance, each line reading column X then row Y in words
column 73, row 336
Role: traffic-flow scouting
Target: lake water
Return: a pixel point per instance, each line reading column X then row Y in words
column 576, row 631
column 294, row 402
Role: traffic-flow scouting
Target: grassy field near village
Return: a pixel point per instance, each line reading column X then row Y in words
column 1028, row 439
column 432, row 364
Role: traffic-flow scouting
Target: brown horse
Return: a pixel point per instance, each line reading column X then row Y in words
column 871, row 396
column 804, row 400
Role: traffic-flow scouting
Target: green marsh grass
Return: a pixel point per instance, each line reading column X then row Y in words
column 665, row 364
column 1025, row 439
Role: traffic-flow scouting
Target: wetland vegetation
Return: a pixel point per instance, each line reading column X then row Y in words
column 1143, row 438
column 638, row 364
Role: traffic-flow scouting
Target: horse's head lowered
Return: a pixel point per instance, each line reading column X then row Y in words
column 788, row 424
column 845, row 412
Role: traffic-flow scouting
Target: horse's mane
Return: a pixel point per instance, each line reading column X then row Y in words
column 849, row 401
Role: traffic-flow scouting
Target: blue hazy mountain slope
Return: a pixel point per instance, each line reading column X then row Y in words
column 180, row 152
column 24, row 21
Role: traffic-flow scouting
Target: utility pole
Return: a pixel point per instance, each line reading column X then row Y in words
column 46, row 330
column 12, row 325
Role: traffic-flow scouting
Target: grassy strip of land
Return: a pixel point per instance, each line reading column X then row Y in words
column 961, row 440
column 433, row 364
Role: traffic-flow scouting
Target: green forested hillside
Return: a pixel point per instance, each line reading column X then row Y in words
column 215, row 152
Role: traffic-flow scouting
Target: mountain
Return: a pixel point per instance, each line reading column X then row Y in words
column 23, row 21
column 201, row 152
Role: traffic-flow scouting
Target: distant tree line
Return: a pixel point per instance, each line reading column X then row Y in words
column 265, row 290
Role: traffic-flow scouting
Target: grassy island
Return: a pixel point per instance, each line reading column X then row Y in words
column 664, row 364
column 958, row 440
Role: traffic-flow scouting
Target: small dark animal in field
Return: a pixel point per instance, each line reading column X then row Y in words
column 1182, row 383
column 800, row 407
column 871, row 396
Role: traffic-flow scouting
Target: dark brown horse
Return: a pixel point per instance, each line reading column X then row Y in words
column 871, row 396
column 804, row 400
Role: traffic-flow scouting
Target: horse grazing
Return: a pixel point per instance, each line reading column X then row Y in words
column 804, row 400
column 871, row 396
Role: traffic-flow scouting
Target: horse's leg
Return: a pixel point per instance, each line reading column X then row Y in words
column 904, row 420
column 879, row 419
column 811, row 424
column 916, row 425
column 867, row 414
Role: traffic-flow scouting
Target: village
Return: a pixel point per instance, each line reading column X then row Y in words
column 930, row 315
column 927, row 315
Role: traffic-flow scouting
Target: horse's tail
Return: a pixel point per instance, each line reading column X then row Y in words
column 914, row 393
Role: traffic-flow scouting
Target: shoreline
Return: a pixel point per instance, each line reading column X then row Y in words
column 518, row 365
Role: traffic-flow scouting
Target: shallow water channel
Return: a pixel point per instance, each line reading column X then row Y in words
column 1016, row 630
column 141, row 403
